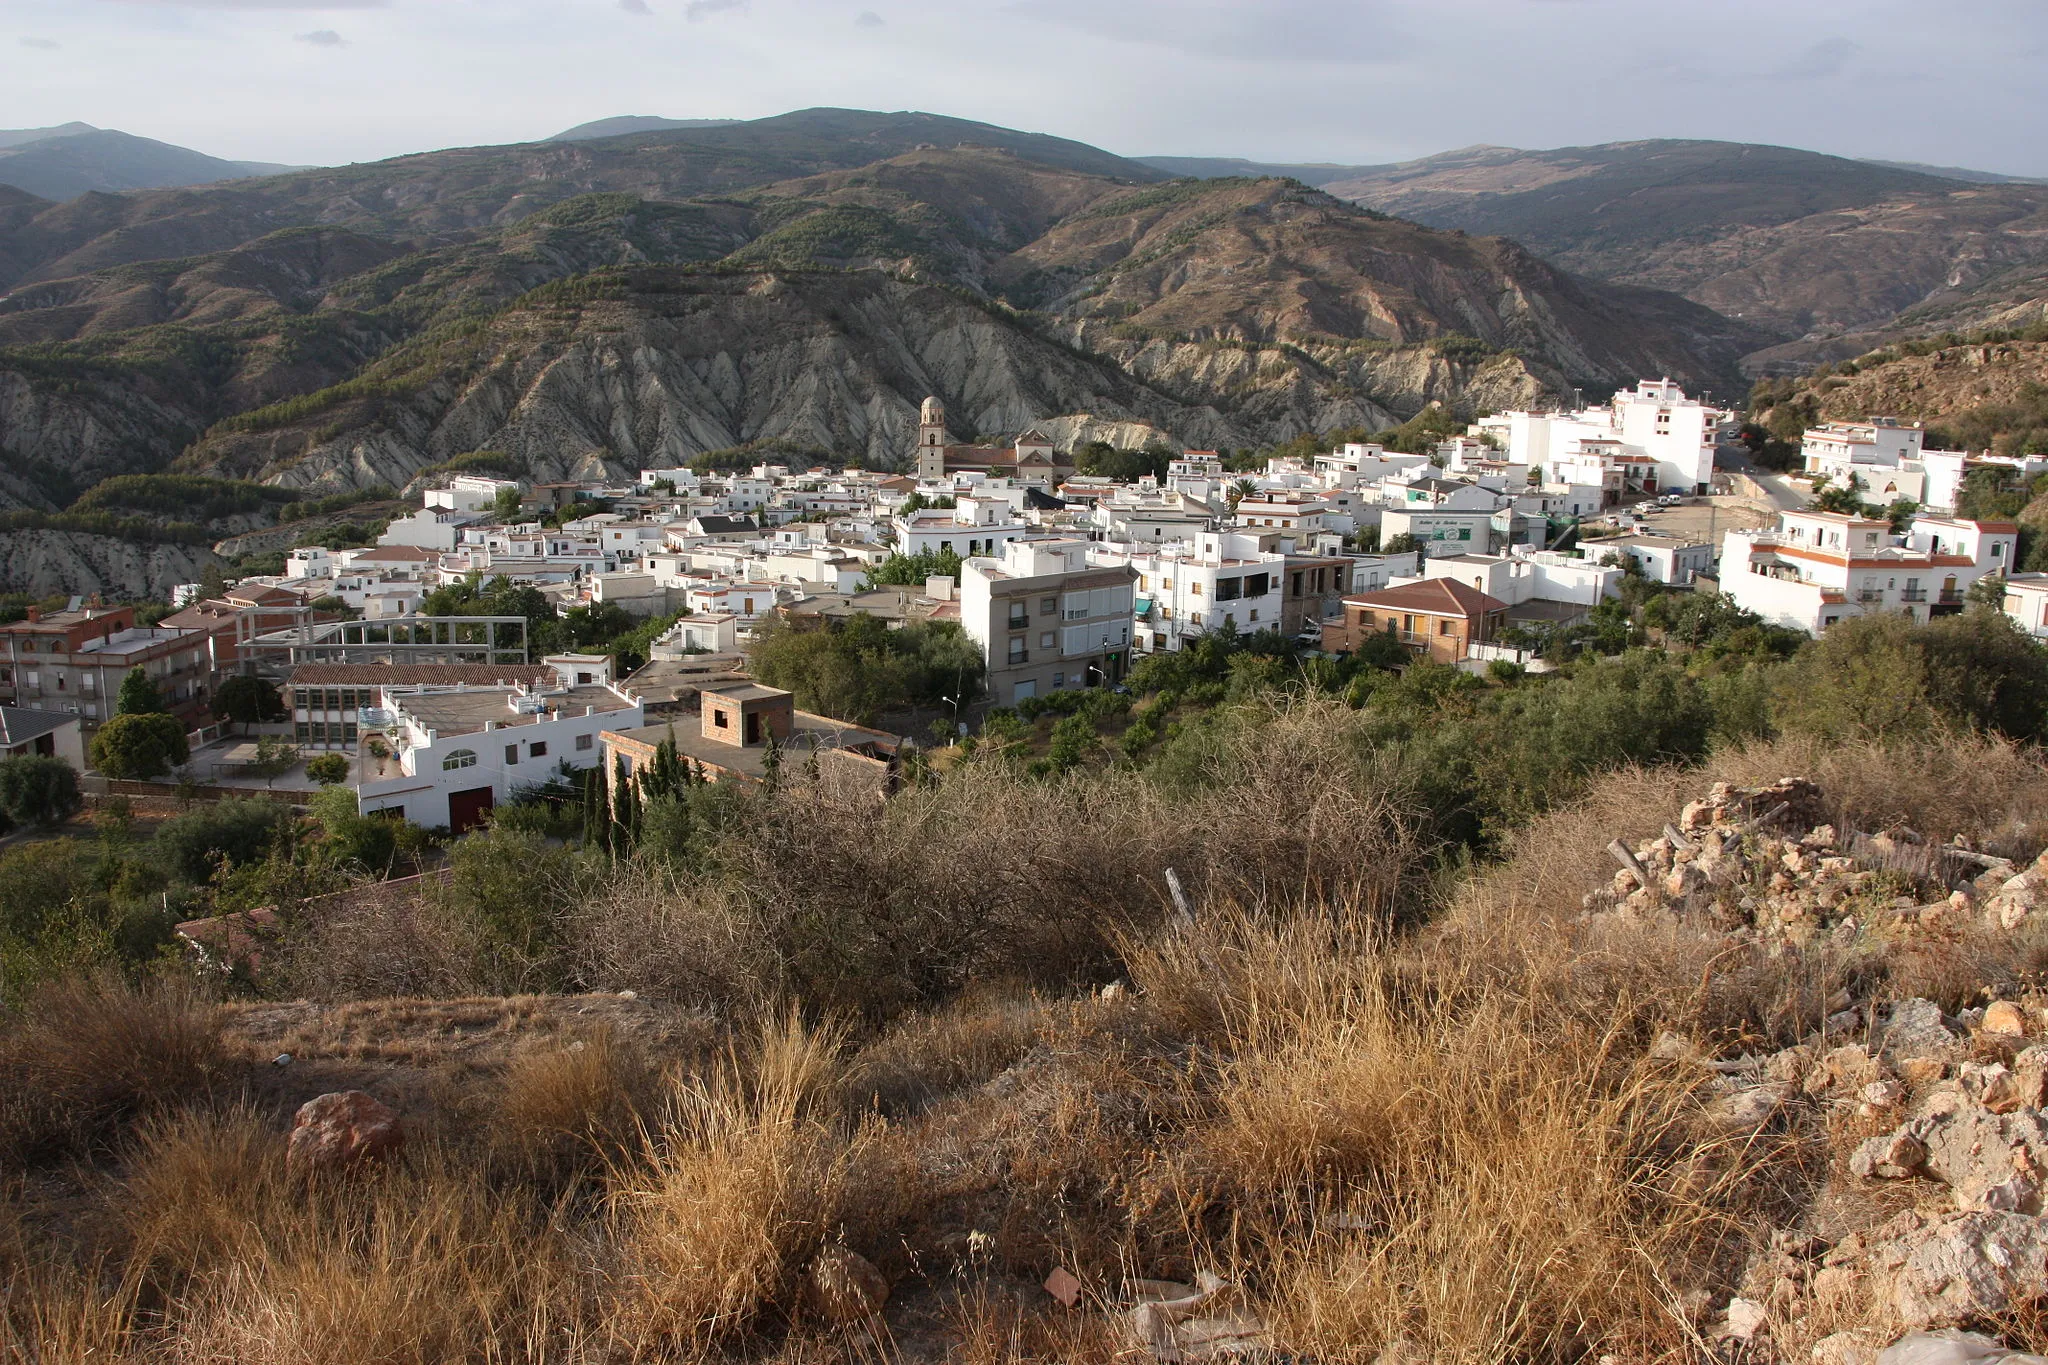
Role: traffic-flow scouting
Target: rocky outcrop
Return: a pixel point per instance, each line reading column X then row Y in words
column 1928, row 1128
column 46, row 563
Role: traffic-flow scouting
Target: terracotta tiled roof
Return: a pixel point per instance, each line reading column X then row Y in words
column 1440, row 596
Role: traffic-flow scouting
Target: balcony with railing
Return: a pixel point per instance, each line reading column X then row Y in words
column 1913, row 595
column 1950, row 597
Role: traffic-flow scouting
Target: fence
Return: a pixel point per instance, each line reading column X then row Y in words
column 98, row 790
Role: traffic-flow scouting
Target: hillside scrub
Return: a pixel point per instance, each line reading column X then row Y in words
column 1457, row 1136
column 1387, row 1074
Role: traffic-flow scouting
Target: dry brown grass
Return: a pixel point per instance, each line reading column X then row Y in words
column 1449, row 1135
column 568, row 1104
column 90, row 1051
column 735, row 1191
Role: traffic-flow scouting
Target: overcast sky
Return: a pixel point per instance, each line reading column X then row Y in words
column 1955, row 82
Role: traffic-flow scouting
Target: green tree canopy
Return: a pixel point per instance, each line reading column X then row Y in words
column 854, row 670
column 139, row 695
column 38, row 789
column 140, row 746
column 248, row 700
column 327, row 769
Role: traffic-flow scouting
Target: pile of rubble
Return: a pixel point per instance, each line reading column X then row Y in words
column 1763, row 863
column 1930, row 1217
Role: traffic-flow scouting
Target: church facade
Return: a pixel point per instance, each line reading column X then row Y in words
column 1029, row 459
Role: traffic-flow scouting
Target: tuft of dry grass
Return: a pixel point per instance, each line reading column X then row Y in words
column 88, row 1052
column 571, row 1103
column 732, row 1194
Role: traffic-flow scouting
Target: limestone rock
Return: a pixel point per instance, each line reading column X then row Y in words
column 1915, row 1031
column 1895, row 1156
column 1950, row 1347
column 2006, row 1018
column 1962, row 1266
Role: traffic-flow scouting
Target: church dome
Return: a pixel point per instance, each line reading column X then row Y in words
column 933, row 413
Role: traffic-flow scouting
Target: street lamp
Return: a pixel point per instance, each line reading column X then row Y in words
column 954, row 702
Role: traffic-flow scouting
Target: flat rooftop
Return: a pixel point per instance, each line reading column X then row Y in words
column 459, row 713
column 808, row 734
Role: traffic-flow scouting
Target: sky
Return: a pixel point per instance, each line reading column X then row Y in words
column 1948, row 82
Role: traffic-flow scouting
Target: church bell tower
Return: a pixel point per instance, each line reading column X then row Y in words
column 931, row 440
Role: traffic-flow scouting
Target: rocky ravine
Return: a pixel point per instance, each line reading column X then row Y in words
column 46, row 563
column 828, row 362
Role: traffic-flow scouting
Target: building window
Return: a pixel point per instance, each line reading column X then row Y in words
column 1019, row 618
column 460, row 758
column 511, row 754
column 1045, row 639
column 584, row 743
column 1255, row 613
column 539, row 750
column 1018, row 653
column 721, row 720
column 1048, row 606
column 1195, row 588
column 1059, row 680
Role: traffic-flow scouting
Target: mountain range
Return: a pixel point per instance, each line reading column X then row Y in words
column 335, row 328
column 1829, row 255
column 75, row 158
column 611, row 299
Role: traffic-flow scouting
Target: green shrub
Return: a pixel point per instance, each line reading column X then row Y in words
column 38, row 789
column 327, row 769
column 242, row 831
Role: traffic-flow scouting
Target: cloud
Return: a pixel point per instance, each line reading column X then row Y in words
column 867, row 18
column 703, row 9
column 1822, row 61
column 322, row 37
column 261, row 4
column 635, row 6
column 1273, row 31
column 41, row 44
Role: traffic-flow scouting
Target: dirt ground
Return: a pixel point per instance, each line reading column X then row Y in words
column 1705, row 520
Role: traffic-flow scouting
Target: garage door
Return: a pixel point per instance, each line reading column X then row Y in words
column 467, row 810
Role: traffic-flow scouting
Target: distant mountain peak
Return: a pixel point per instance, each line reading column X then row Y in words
column 21, row 137
column 627, row 124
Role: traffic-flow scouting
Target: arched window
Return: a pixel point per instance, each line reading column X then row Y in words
column 458, row 758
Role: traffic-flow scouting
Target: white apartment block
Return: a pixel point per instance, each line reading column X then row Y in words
column 1046, row 619
column 1816, row 568
column 1652, row 436
column 1533, row 577
column 971, row 527
column 1661, row 559
column 1188, row 588
column 2026, row 602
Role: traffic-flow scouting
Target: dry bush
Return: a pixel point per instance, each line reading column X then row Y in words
column 571, row 1102
column 1000, row 875
column 1397, row 1144
column 87, row 1052
column 733, row 1194
column 687, row 939
column 1961, row 784
column 393, row 946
